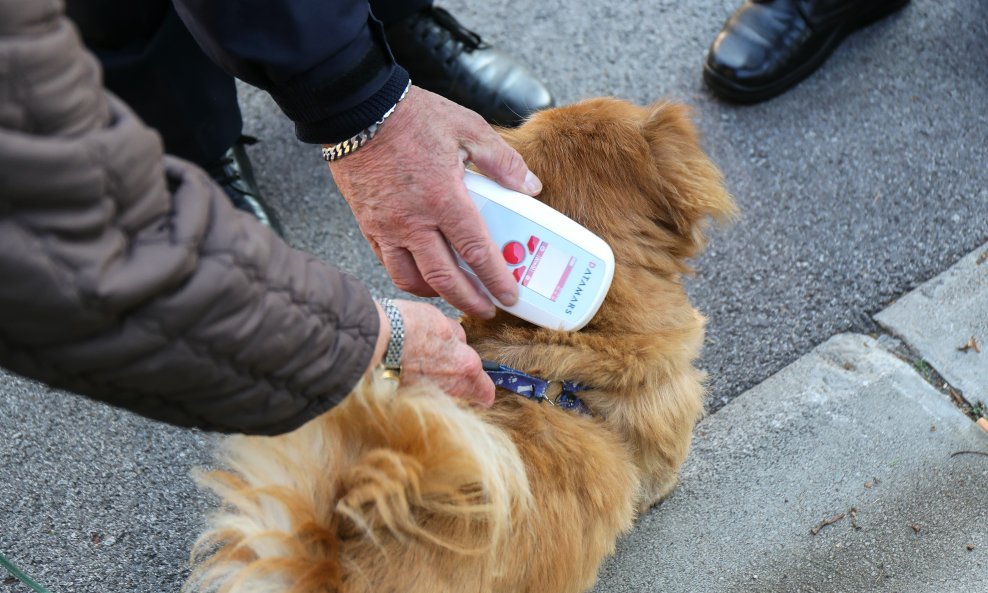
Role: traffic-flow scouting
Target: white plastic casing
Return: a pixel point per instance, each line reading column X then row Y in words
column 563, row 270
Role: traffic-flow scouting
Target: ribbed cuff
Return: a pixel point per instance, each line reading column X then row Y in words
column 339, row 127
column 329, row 106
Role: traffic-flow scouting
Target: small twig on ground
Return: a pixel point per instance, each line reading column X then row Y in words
column 854, row 519
column 958, row 398
column 971, row 344
column 956, row 453
column 826, row 522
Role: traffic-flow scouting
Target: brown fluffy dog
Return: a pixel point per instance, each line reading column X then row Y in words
column 407, row 490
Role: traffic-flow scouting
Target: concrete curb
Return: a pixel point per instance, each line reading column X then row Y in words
column 850, row 434
column 946, row 321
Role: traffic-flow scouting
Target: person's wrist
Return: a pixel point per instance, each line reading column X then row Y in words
column 335, row 152
column 383, row 337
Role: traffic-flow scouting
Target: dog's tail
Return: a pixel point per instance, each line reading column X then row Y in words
column 386, row 471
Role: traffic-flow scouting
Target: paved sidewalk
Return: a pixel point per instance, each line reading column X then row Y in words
column 845, row 472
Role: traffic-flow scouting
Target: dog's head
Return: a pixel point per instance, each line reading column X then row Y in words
column 618, row 169
column 637, row 177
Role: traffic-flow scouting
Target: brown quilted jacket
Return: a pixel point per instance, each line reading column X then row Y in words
column 126, row 276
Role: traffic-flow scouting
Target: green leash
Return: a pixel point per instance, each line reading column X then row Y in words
column 19, row 574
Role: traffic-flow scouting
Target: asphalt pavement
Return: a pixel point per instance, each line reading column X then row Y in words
column 856, row 187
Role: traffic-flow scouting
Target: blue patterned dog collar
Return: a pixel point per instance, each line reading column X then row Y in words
column 536, row 389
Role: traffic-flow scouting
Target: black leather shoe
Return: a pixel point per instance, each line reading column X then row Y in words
column 446, row 58
column 768, row 46
column 234, row 173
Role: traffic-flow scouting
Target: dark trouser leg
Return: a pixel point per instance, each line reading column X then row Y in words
column 151, row 61
column 392, row 11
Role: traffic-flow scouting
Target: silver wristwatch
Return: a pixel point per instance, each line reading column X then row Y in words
column 392, row 358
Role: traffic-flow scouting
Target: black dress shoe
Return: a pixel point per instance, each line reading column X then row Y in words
column 444, row 57
column 768, row 46
column 234, row 173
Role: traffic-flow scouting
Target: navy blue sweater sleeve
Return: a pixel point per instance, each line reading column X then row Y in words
column 325, row 62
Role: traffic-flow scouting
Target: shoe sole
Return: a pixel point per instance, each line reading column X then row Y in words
column 739, row 93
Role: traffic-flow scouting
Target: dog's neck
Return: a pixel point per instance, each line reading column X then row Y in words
column 562, row 394
column 619, row 351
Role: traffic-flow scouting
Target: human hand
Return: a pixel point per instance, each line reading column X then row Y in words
column 406, row 189
column 436, row 350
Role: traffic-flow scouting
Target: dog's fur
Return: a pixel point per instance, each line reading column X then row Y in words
column 407, row 490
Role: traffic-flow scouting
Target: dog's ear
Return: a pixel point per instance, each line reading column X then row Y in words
column 689, row 187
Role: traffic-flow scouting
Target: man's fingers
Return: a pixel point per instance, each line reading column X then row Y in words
column 469, row 237
column 457, row 328
column 484, row 390
column 404, row 273
column 478, row 386
column 439, row 270
column 495, row 159
column 436, row 350
column 375, row 247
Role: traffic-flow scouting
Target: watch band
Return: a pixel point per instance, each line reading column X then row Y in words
column 334, row 152
column 392, row 358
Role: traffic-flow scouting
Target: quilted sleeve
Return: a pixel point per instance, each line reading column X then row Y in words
column 127, row 276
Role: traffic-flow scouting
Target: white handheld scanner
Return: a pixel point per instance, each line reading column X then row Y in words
column 563, row 270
